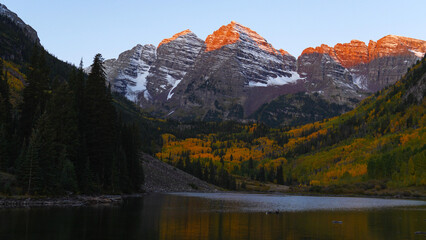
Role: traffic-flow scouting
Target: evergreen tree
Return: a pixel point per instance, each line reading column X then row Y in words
column 48, row 155
column 77, row 87
column 100, row 126
column 280, row 177
column 36, row 93
column 68, row 178
column 5, row 120
column 63, row 120
column 198, row 171
column 131, row 144
column 212, row 172
column 261, row 174
column 30, row 172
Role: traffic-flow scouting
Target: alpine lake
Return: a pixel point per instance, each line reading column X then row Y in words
column 222, row 216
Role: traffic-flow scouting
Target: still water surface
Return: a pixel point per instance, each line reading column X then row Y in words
column 222, row 216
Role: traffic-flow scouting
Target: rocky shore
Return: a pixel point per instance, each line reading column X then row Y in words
column 74, row 201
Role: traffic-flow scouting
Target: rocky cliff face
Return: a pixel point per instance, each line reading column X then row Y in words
column 175, row 57
column 147, row 74
column 27, row 29
column 352, row 70
column 234, row 61
column 127, row 74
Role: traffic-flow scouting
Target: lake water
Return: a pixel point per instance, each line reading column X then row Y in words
column 222, row 216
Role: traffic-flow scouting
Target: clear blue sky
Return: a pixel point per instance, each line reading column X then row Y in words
column 77, row 29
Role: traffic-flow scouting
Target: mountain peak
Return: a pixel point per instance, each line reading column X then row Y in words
column 391, row 45
column 225, row 35
column 233, row 33
column 28, row 30
column 167, row 40
column 284, row 52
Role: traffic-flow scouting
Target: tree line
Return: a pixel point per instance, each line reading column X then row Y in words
column 67, row 136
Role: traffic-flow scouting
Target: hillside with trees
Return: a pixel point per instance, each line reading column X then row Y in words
column 379, row 145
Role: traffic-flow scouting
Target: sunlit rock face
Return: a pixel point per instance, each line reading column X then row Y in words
column 260, row 62
column 349, row 71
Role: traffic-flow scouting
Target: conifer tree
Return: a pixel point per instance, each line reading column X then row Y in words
column 280, row 177
column 77, row 87
column 48, row 155
column 100, row 126
column 36, row 93
column 5, row 120
column 30, row 172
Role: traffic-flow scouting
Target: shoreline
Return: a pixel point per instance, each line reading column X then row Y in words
column 67, row 201
column 22, row 202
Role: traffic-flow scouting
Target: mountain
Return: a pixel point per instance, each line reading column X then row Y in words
column 353, row 70
column 222, row 84
column 235, row 71
column 127, row 73
column 26, row 29
column 18, row 41
column 377, row 148
column 147, row 74
column 228, row 76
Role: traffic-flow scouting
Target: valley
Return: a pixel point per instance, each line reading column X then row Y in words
column 230, row 110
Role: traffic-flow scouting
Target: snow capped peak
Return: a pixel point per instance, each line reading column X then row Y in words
column 174, row 37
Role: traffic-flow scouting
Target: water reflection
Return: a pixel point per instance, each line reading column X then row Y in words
column 161, row 216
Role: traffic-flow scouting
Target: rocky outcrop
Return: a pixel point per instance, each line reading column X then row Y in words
column 325, row 75
column 27, row 29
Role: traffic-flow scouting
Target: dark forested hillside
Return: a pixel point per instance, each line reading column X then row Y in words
column 297, row 109
column 59, row 128
column 17, row 47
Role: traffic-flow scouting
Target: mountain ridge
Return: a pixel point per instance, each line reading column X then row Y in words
column 236, row 69
column 28, row 30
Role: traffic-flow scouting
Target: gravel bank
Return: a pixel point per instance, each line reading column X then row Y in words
column 162, row 177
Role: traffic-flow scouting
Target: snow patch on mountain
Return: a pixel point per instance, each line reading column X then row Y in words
column 418, row 54
column 170, row 95
column 277, row 81
column 359, row 81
